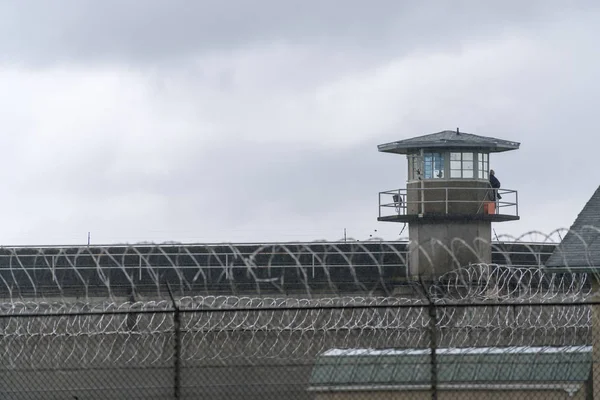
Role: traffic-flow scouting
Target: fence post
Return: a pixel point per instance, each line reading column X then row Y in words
column 177, row 346
column 431, row 307
column 433, row 335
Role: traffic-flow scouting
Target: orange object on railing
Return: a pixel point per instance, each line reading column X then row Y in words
column 489, row 207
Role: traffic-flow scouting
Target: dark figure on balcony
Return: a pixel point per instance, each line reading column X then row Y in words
column 397, row 202
column 495, row 183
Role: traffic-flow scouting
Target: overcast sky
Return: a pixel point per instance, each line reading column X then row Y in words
column 212, row 121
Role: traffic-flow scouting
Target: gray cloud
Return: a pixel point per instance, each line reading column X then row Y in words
column 205, row 121
column 159, row 31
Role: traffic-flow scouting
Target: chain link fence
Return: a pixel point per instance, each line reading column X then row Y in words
column 351, row 349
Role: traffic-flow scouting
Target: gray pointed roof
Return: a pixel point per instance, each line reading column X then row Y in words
column 449, row 139
column 580, row 248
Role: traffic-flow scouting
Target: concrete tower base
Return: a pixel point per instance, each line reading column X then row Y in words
column 436, row 248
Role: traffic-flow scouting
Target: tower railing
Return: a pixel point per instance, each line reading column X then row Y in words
column 448, row 200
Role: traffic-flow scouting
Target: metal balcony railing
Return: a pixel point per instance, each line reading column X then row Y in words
column 448, row 200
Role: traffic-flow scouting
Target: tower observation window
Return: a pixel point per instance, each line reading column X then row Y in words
column 461, row 165
column 433, row 165
column 482, row 166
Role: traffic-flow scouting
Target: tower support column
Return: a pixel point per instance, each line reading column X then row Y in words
column 439, row 247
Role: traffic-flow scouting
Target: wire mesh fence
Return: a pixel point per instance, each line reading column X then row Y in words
column 363, row 350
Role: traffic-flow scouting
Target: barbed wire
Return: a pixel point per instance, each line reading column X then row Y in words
column 286, row 333
column 229, row 327
column 487, row 282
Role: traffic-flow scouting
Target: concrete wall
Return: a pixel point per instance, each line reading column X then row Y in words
column 429, row 258
column 466, row 201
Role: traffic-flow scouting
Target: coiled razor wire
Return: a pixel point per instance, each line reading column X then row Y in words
column 488, row 282
column 286, row 334
column 221, row 328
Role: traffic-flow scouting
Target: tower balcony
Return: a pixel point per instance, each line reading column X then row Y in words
column 420, row 202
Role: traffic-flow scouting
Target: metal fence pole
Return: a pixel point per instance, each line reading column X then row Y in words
column 433, row 335
column 177, row 372
column 177, row 347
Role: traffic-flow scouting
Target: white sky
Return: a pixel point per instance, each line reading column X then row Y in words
column 219, row 121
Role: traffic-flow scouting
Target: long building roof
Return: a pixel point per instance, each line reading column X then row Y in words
column 395, row 369
column 315, row 267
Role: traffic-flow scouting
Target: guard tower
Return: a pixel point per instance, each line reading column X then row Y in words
column 448, row 201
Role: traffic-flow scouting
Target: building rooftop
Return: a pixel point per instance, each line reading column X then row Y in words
column 580, row 249
column 346, row 369
column 216, row 269
column 449, row 139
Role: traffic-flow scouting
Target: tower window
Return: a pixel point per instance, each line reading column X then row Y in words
column 461, row 165
column 433, row 164
column 482, row 166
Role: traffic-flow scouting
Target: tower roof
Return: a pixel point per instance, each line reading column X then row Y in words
column 449, row 139
column 580, row 248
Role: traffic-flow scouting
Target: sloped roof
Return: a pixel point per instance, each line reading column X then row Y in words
column 580, row 248
column 449, row 139
column 379, row 369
